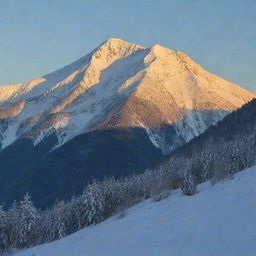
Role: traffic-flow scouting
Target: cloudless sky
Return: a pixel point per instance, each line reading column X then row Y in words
column 40, row 36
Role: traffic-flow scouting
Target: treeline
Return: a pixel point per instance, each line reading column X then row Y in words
column 23, row 225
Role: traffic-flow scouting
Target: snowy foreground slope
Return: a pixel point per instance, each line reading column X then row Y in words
column 219, row 220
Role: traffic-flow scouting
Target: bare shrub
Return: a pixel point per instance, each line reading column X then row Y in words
column 221, row 175
column 121, row 211
column 163, row 195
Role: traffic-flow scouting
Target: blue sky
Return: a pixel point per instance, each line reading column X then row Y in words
column 39, row 36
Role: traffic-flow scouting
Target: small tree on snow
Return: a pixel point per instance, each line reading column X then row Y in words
column 189, row 186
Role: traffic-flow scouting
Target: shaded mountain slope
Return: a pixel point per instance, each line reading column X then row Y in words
column 66, row 170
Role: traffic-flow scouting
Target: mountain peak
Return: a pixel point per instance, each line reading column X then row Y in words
column 117, row 43
column 115, row 48
column 160, row 50
column 115, row 40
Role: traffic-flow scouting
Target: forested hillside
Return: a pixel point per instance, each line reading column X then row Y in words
column 224, row 149
column 219, row 221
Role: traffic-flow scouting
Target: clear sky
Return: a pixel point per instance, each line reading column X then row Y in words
column 39, row 36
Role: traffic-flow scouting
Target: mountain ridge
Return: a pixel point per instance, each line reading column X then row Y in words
column 151, row 80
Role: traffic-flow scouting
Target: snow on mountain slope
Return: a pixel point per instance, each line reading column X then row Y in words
column 219, row 220
column 119, row 85
column 55, row 93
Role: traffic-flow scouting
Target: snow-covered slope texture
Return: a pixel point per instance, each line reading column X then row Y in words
column 70, row 99
column 119, row 85
column 219, row 221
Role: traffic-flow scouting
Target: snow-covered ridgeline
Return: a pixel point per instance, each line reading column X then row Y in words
column 155, row 86
column 111, row 83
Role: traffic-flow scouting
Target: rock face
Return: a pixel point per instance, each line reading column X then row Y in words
column 119, row 108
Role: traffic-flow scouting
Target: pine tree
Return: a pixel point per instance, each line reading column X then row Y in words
column 47, row 228
column 61, row 220
column 111, row 194
column 57, row 222
column 3, row 230
column 28, row 220
column 92, row 203
column 13, row 220
column 189, row 186
column 72, row 214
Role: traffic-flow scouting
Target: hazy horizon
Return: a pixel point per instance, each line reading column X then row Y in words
column 38, row 37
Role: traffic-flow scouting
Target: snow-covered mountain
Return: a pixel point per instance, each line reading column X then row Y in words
column 119, row 85
column 116, row 111
column 218, row 220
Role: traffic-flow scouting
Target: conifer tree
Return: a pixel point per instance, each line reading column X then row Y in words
column 28, row 220
column 189, row 186
column 94, row 204
column 3, row 230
